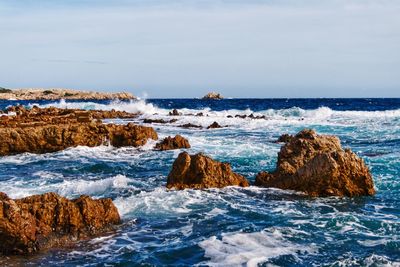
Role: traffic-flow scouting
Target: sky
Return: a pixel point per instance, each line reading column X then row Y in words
column 179, row 49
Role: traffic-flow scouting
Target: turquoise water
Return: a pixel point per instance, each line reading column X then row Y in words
column 231, row 226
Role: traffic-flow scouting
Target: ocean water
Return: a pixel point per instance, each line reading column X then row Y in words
column 231, row 226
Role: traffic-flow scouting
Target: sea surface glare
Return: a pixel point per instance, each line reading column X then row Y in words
column 231, row 226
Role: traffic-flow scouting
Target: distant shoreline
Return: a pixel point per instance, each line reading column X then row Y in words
column 60, row 93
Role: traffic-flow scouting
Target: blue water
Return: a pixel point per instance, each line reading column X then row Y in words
column 231, row 226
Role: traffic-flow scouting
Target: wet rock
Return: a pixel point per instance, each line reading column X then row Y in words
column 190, row 125
column 317, row 165
column 284, row 138
column 241, row 116
column 200, row 114
column 42, row 130
column 161, row 121
column 213, row 95
column 39, row 222
column 174, row 113
column 170, row 143
column 229, row 116
column 200, row 171
column 214, row 125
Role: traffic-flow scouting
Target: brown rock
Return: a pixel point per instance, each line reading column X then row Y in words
column 284, row 138
column 317, row 165
column 190, row 125
column 200, row 171
column 213, row 95
column 214, row 125
column 170, row 143
column 38, row 222
column 174, row 113
column 52, row 129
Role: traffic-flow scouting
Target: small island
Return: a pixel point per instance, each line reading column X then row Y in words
column 213, row 95
column 59, row 93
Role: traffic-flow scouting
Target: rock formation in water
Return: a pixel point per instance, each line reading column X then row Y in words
column 49, row 130
column 317, row 165
column 213, row 95
column 58, row 93
column 43, row 221
column 200, row 171
column 214, row 125
column 170, row 143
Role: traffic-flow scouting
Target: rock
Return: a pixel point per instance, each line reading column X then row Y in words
column 59, row 93
column 49, row 130
column 214, row 125
column 190, row 125
column 213, row 95
column 170, row 143
column 39, row 222
column 174, row 112
column 159, row 121
column 241, row 116
column 284, row 138
column 200, row 114
column 317, row 165
column 200, row 171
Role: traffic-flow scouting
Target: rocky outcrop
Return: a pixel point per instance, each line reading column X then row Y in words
column 190, row 125
column 200, row 171
column 49, row 130
column 214, row 125
column 174, row 112
column 38, row 222
column 213, row 95
column 317, row 165
column 59, row 93
column 170, row 143
column 161, row 121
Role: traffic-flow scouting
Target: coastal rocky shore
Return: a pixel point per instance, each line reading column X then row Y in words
column 51, row 129
column 59, row 93
column 38, row 222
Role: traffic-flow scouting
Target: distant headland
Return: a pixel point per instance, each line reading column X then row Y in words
column 59, row 93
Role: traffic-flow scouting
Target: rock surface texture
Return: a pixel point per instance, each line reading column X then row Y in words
column 58, row 93
column 317, row 165
column 49, row 130
column 43, row 221
column 213, row 95
column 170, row 143
column 200, row 171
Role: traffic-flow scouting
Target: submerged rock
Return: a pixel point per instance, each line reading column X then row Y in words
column 170, row 143
column 200, row 171
column 38, row 222
column 317, row 165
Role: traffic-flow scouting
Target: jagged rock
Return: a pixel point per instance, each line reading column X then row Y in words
column 159, row 121
column 190, row 125
column 38, row 222
column 170, row 143
column 317, row 165
column 42, row 130
column 200, row 171
column 174, row 112
column 214, row 125
column 213, row 95
column 284, row 138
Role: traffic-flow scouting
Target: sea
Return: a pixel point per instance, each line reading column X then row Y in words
column 231, row 226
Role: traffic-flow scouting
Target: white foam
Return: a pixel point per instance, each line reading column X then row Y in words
column 250, row 249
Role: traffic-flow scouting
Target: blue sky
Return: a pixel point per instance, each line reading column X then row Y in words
column 287, row 48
